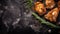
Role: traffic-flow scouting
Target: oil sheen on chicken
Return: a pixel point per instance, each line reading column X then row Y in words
column 39, row 8
column 52, row 15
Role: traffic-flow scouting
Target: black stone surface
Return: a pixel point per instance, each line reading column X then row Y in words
column 15, row 18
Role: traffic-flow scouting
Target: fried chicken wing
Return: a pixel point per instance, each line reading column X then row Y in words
column 59, row 5
column 39, row 8
column 52, row 15
column 50, row 4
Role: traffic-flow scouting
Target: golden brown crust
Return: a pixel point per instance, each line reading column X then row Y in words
column 50, row 4
column 52, row 15
column 39, row 8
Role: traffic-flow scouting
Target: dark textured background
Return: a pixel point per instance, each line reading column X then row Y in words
column 16, row 18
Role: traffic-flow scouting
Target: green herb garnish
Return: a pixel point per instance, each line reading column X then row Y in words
column 44, row 21
column 29, row 3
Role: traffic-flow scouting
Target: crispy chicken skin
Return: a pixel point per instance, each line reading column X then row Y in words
column 59, row 5
column 52, row 15
column 50, row 4
column 39, row 8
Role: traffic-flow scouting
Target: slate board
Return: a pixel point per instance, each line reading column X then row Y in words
column 16, row 18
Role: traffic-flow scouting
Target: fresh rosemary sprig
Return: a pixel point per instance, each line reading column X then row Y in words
column 44, row 21
column 29, row 3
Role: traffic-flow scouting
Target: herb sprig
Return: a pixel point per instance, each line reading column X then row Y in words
column 44, row 21
column 29, row 3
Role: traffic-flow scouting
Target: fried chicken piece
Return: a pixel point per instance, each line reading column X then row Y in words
column 50, row 4
column 59, row 5
column 39, row 8
column 52, row 15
